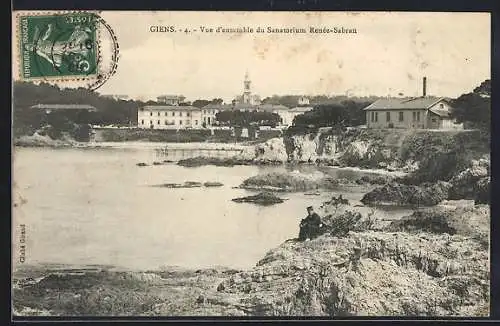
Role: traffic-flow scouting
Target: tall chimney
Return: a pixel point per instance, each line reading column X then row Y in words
column 424, row 86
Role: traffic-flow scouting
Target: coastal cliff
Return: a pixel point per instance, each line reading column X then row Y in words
column 367, row 148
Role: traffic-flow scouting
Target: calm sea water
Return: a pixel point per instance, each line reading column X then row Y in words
column 95, row 206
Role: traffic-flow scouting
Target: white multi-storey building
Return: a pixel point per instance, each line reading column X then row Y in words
column 170, row 99
column 169, row 117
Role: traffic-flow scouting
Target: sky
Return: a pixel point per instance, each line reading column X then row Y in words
column 389, row 54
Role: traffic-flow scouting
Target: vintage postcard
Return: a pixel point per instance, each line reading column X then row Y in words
column 175, row 163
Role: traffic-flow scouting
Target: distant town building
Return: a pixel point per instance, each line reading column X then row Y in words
column 117, row 97
column 173, row 117
column 293, row 112
column 421, row 113
column 303, row 100
column 170, row 99
column 49, row 108
column 210, row 111
column 247, row 97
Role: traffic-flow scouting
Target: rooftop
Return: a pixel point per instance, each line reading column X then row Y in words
column 245, row 106
column 440, row 112
column 404, row 103
column 171, row 97
column 301, row 109
column 171, row 107
column 64, row 107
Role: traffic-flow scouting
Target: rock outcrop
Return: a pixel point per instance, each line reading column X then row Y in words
column 473, row 182
column 401, row 194
column 365, row 274
column 263, row 198
column 291, row 181
column 410, row 268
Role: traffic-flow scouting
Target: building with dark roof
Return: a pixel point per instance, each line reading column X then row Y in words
column 421, row 113
column 425, row 112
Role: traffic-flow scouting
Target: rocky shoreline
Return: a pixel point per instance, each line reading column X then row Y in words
column 432, row 263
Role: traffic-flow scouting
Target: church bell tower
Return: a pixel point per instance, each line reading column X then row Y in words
column 246, row 89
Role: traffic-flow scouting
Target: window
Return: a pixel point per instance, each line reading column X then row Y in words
column 376, row 116
column 188, row 114
column 166, row 122
column 414, row 115
column 151, row 122
column 441, row 105
column 173, row 114
column 180, row 114
column 401, row 117
column 158, row 113
column 151, row 114
column 166, row 114
column 158, row 121
column 180, row 122
column 196, row 122
column 142, row 122
column 418, row 116
column 388, row 116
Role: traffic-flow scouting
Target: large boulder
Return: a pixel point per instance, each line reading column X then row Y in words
column 290, row 181
column 401, row 194
column 303, row 148
column 263, row 199
column 473, row 182
column 272, row 150
column 472, row 221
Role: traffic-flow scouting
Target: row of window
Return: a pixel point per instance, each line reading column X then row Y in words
column 167, row 123
column 188, row 114
column 374, row 116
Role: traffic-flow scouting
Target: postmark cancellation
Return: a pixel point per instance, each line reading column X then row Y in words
column 65, row 46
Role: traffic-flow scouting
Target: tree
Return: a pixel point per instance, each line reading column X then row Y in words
column 201, row 103
column 27, row 94
column 474, row 109
column 246, row 118
column 218, row 101
column 347, row 113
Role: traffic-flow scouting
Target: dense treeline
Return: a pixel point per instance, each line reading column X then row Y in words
column 345, row 114
column 292, row 100
column 110, row 111
column 474, row 108
column 247, row 118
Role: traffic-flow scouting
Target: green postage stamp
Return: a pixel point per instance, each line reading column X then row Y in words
column 58, row 45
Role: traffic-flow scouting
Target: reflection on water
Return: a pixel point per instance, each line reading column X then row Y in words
column 95, row 206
